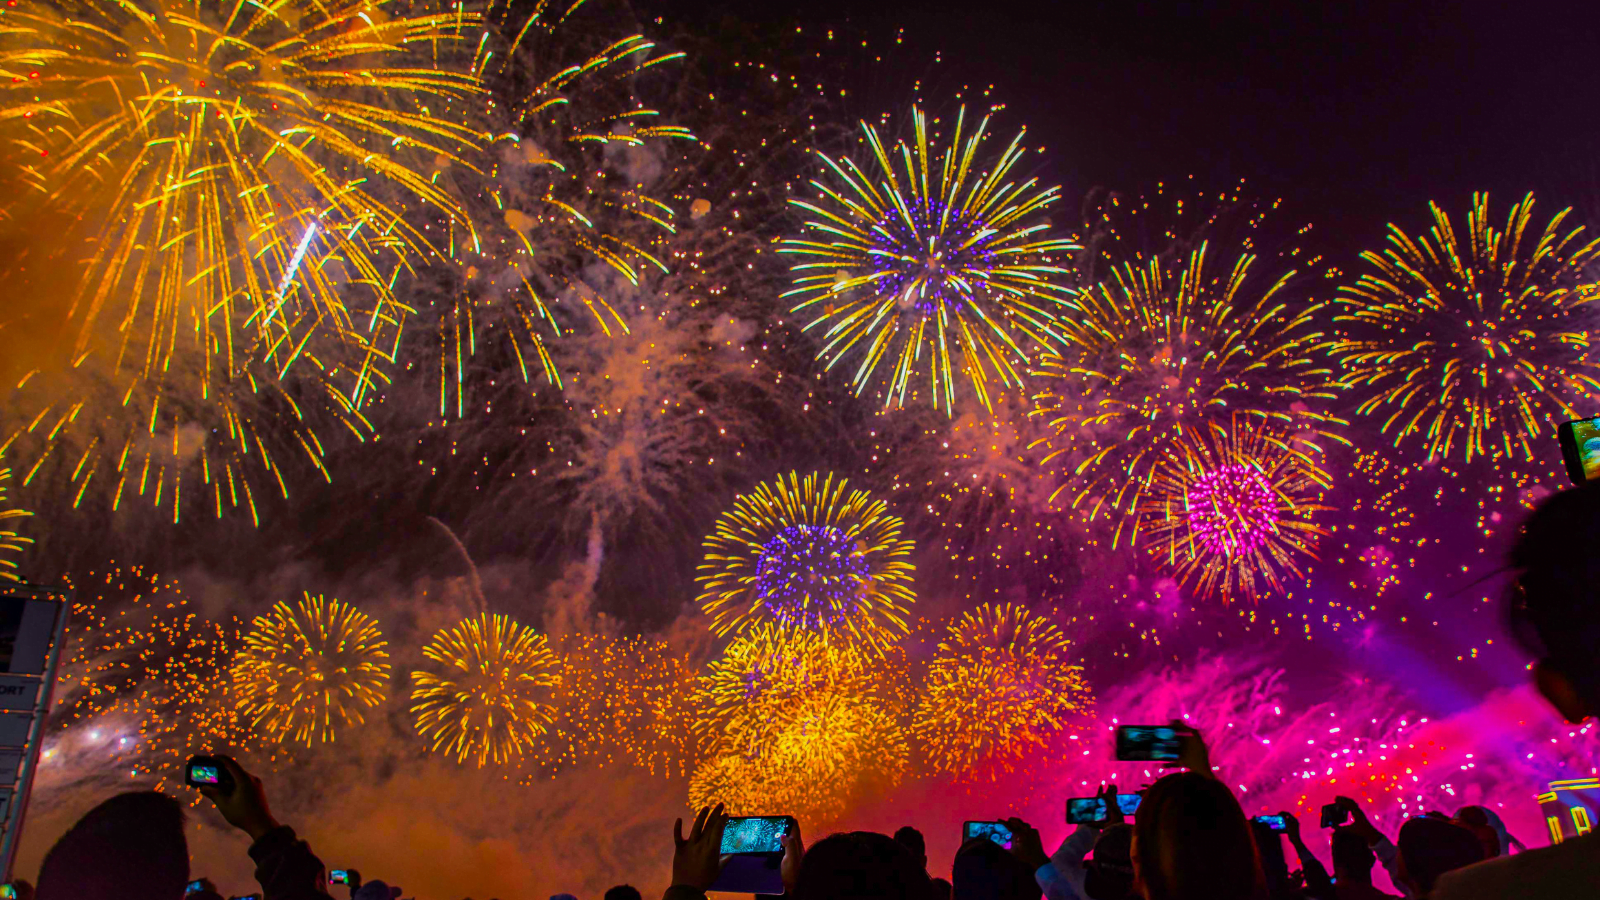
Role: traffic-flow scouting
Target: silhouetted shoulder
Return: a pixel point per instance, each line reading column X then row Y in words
column 1568, row 869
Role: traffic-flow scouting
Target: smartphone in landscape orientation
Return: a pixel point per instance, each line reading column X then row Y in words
column 994, row 831
column 754, row 847
column 1580, row 448
column 1148, row 743
column 207, row 771
column 1275, row 823
column 339, row 876
column 1089, row 810
column 1334, row 815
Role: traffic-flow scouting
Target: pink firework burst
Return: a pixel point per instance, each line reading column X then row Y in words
column 1229, row 508
column 1232, row 510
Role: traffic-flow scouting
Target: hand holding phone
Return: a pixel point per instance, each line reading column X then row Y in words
column 1094, row 810
column 1580, row 448
column 994, row 831
column 754, row 850
column 1275, row 824
column 208, row 771
column 1334, row 815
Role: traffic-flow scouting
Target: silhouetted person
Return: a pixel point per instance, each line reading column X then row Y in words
column 860, row 865
column 984, row 870
column 1352, row 868
column 1191, row 841
column 912, row 839
column 131, row 847
column 623, row 892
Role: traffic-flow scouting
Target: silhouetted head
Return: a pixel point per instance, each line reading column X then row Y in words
column 1555, row 600
column 860, row 865
column 623, row 892
column 985, row 870
column 913, row 841
column 1430, row 847
column 130, row 847
column 1352, row 858
column 1109, row 875
column 1191, row 841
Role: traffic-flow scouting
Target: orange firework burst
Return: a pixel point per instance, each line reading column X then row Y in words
column 1003, row 681
column 1474, row 344
column 243, row 174
column 1228, row 510
column 491, row 701
column 308, row 670
column 809, row 554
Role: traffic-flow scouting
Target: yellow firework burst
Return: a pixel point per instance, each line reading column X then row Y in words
column 309, row 670
column 1229, row 509
column 947, row 254
column 1002, row 682
column 490, row 701
column 810, row 554
column 247, row 179
column 1474, row 343
column 1205, row 325
column 10, row 540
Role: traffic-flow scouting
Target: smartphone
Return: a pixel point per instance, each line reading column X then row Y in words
column 1089, row 810
column 191, row 887
column 994, row 831
column 1275, row 823
column 1580, row 448
column 7, row 892
column 756, row 834
column 207, row 771
column 1334, row 815
column 754, row 847
column 339, row 876
column 1148, row 743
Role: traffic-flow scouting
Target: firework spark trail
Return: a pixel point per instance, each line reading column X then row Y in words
column 308, row 671
column 218, row 135
column 811, row 554
column 1170, row 340
column 943, row 254
column 1474, row 344
column 1002, row 684
column 11, row 541
column 1228, row 509
column 490, row 701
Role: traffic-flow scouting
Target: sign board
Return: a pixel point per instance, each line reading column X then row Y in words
column 32, row 622
column 1571, row 808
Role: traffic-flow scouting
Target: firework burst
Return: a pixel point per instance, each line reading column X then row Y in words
column 225, row 163
column 309, row 670
column 1002, row 682
column 1477, row 343
column 577, row 231
column 786, row 714
column 491, row 703
column 1228, row 510
column 948, row 253
column 1172, row 339
column 809, row 554
column 10, row 540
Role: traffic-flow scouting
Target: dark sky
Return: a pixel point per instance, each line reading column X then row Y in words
column 1356, row 113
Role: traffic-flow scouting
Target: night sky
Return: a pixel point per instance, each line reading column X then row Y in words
column 1355, row 113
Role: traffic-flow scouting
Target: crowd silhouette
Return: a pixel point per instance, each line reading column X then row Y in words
column 1190, row 838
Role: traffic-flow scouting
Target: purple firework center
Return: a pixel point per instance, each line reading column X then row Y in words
column 811, row 575
column 1232, row 510
column 933, row 259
